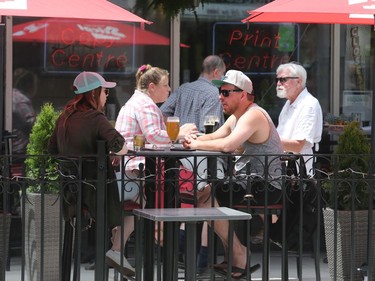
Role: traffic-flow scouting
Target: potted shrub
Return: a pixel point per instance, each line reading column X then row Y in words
column 41, row 172
column 348, row 201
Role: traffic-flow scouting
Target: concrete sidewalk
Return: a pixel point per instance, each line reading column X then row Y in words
column 308, row 269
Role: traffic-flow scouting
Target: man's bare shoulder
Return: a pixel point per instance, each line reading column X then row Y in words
column 255, row 121
column 255, row 113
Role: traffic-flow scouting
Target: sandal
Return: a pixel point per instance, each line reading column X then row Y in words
column 223, row 271
column 221, row 265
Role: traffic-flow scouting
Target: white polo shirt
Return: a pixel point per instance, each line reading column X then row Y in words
column 302, row 120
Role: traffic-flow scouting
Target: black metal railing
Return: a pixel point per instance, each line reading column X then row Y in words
column 342, row 196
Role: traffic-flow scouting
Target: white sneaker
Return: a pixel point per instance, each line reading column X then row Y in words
column 113, row 258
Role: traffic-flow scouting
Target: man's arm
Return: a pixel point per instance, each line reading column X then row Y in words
column 210, row 141
column 293, row 145
column 252, row 125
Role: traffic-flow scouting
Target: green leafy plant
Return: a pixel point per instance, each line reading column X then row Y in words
column 347, row 187
column 41, row 169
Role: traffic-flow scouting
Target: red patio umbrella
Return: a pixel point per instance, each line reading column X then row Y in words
column 315, row 11
column 85, row 32
column 82, row 9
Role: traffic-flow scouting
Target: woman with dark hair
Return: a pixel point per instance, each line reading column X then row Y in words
column 78, row 129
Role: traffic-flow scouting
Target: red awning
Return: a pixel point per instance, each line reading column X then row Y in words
column 82, row 9
column 86, row 32
column 315, row 11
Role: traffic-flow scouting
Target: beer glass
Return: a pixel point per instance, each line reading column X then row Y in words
column 211, row 124
column 173, row 128
column 139, row 142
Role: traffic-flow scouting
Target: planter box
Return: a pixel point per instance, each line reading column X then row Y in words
column 4, row 235
column 34, row 248
column 351, row 251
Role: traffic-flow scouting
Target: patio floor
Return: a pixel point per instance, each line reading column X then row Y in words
column 308, row 269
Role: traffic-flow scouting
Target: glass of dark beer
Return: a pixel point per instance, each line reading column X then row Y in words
column 211, row 124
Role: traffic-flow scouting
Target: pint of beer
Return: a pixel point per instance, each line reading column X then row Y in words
column 173, row 128
column 211, row 124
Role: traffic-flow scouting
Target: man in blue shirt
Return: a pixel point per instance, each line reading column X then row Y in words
column 194, row 100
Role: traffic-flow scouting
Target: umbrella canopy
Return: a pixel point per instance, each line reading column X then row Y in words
column 317, row 11
column 82, row 9
column 85, row 32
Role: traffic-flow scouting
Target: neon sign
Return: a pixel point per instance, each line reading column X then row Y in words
column 258, row 48
column 72, row 47
column 88, row 47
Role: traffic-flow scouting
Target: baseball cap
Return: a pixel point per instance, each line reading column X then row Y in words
column 236, row 78
column 87, row 81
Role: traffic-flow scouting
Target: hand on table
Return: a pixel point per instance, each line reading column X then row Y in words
column 187, row 129
column 190, row 141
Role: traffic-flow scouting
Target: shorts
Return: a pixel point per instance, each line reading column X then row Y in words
column 130, row 185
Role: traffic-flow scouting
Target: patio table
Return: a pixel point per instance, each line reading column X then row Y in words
column 188, row 215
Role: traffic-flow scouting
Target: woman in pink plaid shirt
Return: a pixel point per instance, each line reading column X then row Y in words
column 141, row 115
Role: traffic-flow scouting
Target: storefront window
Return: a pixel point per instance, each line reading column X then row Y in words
column 256, row 49
column 48, row 53
column 358, row 72
column 56, row 50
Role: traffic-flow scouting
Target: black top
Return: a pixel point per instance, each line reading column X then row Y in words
column 78, row 137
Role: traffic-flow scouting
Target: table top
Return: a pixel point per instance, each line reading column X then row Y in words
column 191, row 214
column 178, row 151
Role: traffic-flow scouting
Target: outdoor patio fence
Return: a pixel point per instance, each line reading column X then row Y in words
column 52, row 224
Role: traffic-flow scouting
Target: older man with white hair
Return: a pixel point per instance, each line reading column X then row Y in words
column 301, row 120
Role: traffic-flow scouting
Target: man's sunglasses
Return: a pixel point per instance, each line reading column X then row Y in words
column 225, row 93
column 284, row 79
